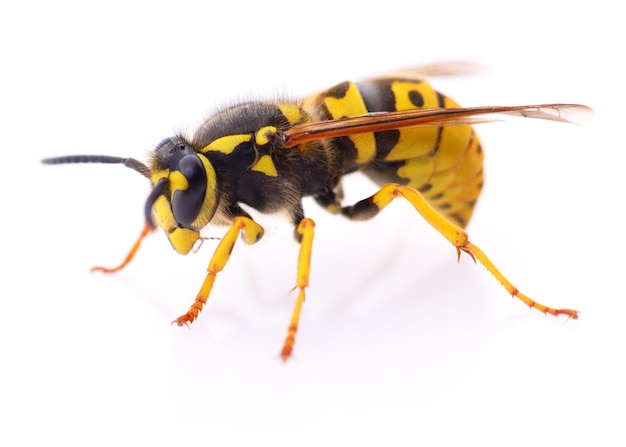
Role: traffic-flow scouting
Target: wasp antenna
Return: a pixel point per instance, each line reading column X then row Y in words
column 135, row 165
column 138, row 166
column 82, row 159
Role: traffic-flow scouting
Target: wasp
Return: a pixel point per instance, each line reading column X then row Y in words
column 411, row 140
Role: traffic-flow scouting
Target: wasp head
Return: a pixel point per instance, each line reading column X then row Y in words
column 185, row 193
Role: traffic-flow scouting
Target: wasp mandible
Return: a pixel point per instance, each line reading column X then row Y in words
column 413, row 141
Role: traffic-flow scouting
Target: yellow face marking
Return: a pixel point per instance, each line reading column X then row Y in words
column 209, row 203
column 265, row 165
column 182, row 239
column 226, row 144
column 157, row 175
column 163, row 212
column 178, row 182
column 352, row 104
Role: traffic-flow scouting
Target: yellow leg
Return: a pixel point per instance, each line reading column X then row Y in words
column 251, row 232
column 129, row 256
column 453, row 233
column 484, row 260
column 306, row 230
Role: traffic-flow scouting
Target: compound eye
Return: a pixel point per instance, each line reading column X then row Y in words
column 187, row 203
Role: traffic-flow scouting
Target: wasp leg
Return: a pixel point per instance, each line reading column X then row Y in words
column 129, row 256
column 305, row 229
column 329, row 199
column 368, row 208
column 251, row 232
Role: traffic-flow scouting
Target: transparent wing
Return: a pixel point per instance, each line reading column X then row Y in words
column 381, row 121
column 421, row 72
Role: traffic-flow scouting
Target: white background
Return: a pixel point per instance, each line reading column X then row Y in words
column 398, row 344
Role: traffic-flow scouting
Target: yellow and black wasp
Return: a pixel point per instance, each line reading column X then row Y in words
column 411, row 140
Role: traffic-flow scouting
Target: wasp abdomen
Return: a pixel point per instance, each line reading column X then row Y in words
column 444, row 163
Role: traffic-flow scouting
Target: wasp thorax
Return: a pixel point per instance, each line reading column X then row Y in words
column 184, row 196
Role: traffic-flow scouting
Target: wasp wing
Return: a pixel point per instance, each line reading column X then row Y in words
column 436, row 117
column 422, row 72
